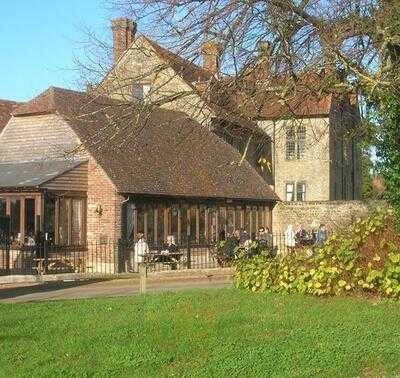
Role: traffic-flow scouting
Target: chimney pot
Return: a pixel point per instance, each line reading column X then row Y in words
column 211, row 52
column 124, row 31
column 264, row 49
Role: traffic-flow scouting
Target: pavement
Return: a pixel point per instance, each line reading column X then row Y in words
column 45, row 291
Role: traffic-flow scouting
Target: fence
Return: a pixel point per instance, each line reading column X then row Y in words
column 114, row 258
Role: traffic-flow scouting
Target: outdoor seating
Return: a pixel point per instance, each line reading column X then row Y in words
column 59, row 264
column 171, row 259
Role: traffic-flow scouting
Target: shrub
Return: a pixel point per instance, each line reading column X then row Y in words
column 364, row 260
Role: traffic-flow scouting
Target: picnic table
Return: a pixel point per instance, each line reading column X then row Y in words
column 57, row 264
column 165, row 257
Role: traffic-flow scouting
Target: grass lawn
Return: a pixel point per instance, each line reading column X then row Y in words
column 216, row 333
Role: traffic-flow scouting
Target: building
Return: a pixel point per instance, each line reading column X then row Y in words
column 87, row 169
column 312, row 149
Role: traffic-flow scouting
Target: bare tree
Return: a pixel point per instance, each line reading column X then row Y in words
column 258, row 56
column 353, row 40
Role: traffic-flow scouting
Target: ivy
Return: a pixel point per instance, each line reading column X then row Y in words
column 343, row 265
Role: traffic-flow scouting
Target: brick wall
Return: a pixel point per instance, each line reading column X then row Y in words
column 334, row 214
column 102, row 192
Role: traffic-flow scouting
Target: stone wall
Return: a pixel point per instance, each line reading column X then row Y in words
column 312, row 169
column 334, row 214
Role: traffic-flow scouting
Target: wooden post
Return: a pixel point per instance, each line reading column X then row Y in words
column 38, row 213
column 8, row 206
column 206, row 224
column 143, row 278
column 135, row 222
column 22, row 219
column 197, row 224
column 225, row 210
column 250, row 214
column 179, row 224
column 155, row 225
column 57, row 221
column 242, row 213
column 166, row 223
column 216, row 214
column 145, row 220
column 256, row 212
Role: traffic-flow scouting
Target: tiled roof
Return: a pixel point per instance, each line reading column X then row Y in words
column 161, row 152
column 33, row 174
column 6, row 108
column 256, row 96
column 263, row 103
column 183, row 67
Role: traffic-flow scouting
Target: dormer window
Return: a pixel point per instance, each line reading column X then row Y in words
column 140, row 90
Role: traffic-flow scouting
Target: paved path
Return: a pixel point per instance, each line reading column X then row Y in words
column 90, row 289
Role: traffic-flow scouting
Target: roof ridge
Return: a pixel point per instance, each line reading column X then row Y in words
column 9, row 101
column 53, row 87
column 173, row 53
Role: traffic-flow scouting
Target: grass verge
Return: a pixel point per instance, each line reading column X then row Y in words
column 219, row 333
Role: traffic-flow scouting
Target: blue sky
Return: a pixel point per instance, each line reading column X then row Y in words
column 38, row 42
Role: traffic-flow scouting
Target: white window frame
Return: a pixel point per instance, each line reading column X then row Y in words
column 303, row 191
column 141, row 90
column 292, row 192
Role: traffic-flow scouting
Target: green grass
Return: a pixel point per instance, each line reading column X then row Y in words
column 218, row 333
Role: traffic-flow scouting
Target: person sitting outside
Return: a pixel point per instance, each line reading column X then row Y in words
column 169, row 251
column 265, row 239
column 227, row 252
column 30, row 240
column 321, row 236
column 244, row 237
column 140, row 251
column 301, row 236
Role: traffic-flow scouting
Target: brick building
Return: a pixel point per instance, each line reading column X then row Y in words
column 83, row 168
column 65, row 152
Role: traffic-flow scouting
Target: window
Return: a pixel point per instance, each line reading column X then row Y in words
column 295, row 142
column 290, row 143
column 140, row 90
column 49, row 218
column 30, row 217
column 290, row 192
column 64, row 221
column 301, row 191
column 2, row 207
column 301, row 141
column 150, row 224
column 15, row 227
column 77, row 222
column 70, row 224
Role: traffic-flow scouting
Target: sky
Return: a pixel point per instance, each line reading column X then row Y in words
column 39, row 40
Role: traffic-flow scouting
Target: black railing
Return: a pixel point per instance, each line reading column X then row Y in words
column 120, row 257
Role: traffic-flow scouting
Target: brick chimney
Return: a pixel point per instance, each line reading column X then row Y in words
column 264, row 49
column 123, row 30
column 211, row 52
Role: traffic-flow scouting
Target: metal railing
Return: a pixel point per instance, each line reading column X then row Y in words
column 119, row 257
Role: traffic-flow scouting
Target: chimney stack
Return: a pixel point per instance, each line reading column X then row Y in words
column 264, row 49
column 124, row 31
column 211, row 52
